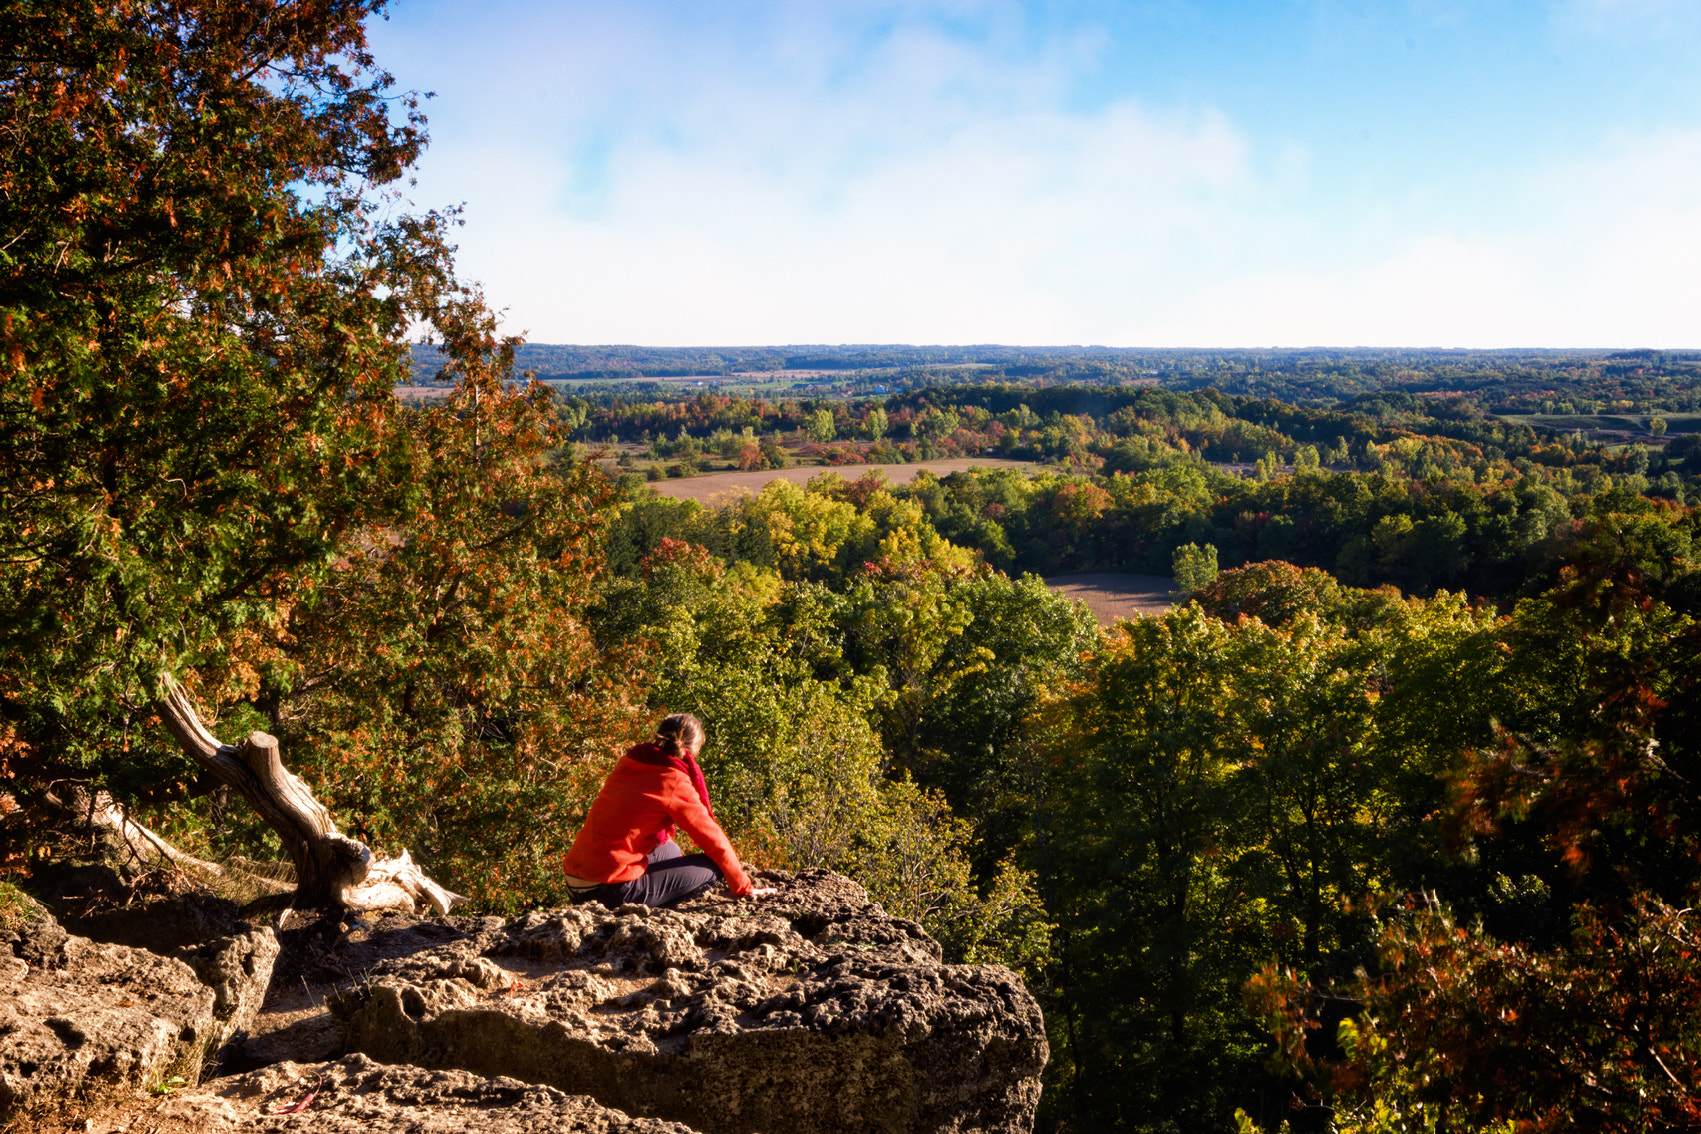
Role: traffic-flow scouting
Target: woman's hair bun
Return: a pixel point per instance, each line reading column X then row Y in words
column 679, row 734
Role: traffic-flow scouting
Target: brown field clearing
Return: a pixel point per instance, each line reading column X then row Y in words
column 1111, row 596
column 422, row 393
column 705, row 488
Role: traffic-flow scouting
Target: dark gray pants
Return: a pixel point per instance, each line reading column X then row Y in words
column 670, row 877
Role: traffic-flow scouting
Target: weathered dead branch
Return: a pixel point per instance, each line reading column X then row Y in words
column 331, row 869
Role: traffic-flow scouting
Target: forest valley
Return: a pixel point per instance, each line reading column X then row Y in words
column 1392, row 825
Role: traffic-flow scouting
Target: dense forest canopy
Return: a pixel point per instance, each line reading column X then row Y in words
column 1419, row 493
column 1391, row 824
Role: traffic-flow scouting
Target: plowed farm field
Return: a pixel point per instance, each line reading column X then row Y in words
column 706, row 488
column 1110, row 595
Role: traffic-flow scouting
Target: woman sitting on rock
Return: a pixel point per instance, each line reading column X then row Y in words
column 625, row 851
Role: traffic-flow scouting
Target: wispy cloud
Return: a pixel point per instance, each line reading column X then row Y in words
column 1634, row 20
column 938, row 172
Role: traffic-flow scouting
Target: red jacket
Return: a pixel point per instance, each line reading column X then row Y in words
column 636, row 802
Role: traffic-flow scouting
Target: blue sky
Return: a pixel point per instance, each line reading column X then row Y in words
column 1162, row 173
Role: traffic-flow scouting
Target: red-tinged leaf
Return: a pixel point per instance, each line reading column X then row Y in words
column 304, row 1102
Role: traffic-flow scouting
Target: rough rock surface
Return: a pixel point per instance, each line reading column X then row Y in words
column 35, row 938
column 810, row 1011
column 237, row 968
column 355, row 1095
column 73, row 1011
column 231, row 957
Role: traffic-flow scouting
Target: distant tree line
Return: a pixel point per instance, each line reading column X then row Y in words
column 1564, row 382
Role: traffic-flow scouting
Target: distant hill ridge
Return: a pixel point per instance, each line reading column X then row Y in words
column 1513, row 381
column 560, row 361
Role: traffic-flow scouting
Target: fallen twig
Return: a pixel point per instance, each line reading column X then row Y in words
column 304, row 1101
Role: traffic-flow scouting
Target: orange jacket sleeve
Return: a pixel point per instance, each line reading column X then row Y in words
column 686, row 810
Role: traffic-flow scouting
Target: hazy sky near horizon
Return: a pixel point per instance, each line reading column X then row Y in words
column 1143, row 173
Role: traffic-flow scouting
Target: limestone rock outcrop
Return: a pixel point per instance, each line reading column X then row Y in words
column 810, row 1011
column 238, row 969
column 354, row 1095
column 75, row 1012
column 231, row 957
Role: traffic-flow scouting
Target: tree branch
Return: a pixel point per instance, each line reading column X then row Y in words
column 331, row 869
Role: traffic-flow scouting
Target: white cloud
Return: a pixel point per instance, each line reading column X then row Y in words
column 812, row 174
column 1034, row 224
column 1609, row 255
column 1651, row 15
column 926, row 188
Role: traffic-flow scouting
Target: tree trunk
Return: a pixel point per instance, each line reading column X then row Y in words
column 331, row 869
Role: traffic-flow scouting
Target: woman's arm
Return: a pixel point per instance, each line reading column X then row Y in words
column 687, row 810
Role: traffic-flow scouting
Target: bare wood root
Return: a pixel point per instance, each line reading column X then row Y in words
column 331, row 869
column 392, row 882
column 150, row 848
column 101, row 810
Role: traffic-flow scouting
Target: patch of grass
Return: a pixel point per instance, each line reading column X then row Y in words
column 17, row 907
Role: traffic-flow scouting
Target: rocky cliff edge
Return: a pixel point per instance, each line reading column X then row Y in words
column 809, row 1011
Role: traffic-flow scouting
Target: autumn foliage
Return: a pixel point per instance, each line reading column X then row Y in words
column 1363, row 858
column 206, row 285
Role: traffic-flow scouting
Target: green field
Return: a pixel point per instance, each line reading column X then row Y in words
column 1621, row 423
